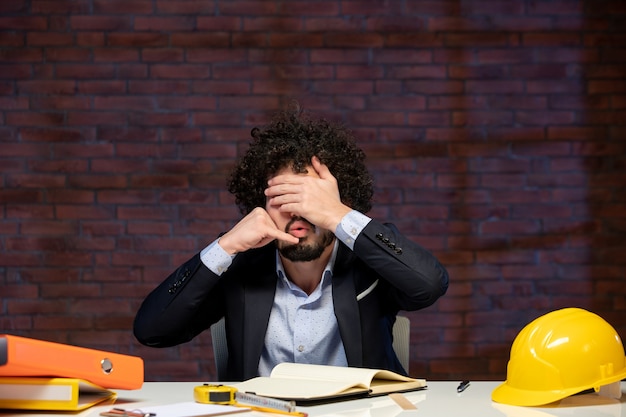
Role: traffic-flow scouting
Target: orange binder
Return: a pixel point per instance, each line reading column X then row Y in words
column 22, row 356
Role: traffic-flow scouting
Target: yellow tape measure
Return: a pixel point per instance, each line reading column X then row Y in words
column 214, row 394
column 227, row 395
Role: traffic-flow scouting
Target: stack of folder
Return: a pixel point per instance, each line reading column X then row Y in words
column 42, row 375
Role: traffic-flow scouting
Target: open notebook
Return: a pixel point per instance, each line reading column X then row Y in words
column 305, row 383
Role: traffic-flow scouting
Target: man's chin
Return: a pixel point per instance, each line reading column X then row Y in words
column 301, row 252
column 308, row 249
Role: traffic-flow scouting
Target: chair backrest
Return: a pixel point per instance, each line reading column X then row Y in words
column 401, row 343
column 220, row 348
column 402, row 340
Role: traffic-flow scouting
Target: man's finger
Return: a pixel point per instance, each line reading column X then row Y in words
column 285, row 236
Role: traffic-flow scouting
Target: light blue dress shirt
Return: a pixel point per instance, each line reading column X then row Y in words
column 302, row 328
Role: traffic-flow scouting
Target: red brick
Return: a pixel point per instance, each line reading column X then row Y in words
column 102, row 228
column 543, row 118
column 80, row 150
column 36, row 306
column 156, row 181
column 149, row 228
column 557, row 7
column 235, row 23
column 12, row 39
column 413, row 40
column 124, row 102
column 71, row 196
column 13, row 72
column 100, row 23
column 494, row 87
column 87, row 118
column 122, row 6
column 158, row 119
column 131, row 39
column 85, row 71
column 35, row 181
column 60, row 6
column 100, row 87
column 182, row 135
column 434, row 87
column 133, row 71
column 476, row 117
column 20, row 260
column 192, row 7
column 199, row 40
column 20, row 196
column 338, row 56
column 479, row 149
column 20, row 291
column 34, row 119
column 114, row 55
column 478, row 40
column 73, row 290
column 215, row 119
column 163, row 55
column 126, row 197
column 24, row 23
column 48, row 227
column 82, row 212
column 510, row 227
column 564, row 54
column 158, row 23
column 18, row 6
column 90, row 39
column 502, row 56
column 97, row 181
column 552, row 39
column 130, row 259
column 232, row 56
column 49, row 39
column 47, row 87
column 187, row 103
column 283, row 40
column 20, row 55
column 557, row 180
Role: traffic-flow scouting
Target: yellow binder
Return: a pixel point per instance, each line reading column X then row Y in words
column 58, row 394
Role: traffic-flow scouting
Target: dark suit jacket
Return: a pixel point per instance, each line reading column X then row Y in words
column 192, row 298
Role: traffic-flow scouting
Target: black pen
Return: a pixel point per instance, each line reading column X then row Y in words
column 462, row 386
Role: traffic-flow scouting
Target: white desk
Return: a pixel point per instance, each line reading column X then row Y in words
column 440, row 399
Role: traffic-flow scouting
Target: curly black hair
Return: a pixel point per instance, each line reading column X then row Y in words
column 292, row 138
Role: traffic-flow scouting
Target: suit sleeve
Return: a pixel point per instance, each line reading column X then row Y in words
column 181, row 307
column 415, row 276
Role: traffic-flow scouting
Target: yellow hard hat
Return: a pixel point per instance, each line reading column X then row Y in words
column 559, row 354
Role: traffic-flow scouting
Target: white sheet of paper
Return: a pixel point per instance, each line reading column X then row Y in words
column 192, row 409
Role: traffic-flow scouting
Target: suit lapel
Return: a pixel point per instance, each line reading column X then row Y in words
column 346, row 307
column 258, row 301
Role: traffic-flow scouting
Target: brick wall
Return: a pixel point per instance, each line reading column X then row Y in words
column 495, row 130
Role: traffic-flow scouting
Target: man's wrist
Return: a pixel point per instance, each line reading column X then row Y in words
column 350, row 227
column 216, row 258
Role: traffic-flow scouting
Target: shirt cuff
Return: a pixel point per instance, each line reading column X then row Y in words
column 351, row 227
column 216, row 258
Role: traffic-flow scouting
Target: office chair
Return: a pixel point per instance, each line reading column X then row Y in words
column 220, row 348
column 401, row 343
column 402, row 340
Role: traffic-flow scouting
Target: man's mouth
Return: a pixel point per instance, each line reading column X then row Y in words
column 299, row 228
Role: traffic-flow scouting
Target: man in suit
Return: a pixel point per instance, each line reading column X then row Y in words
column 305, row 276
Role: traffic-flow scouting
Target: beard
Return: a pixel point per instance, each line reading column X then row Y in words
column 303, row 251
